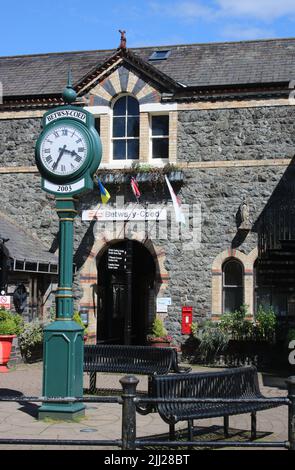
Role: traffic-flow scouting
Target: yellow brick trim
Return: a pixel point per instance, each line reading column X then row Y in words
column 146, row 90
column 105, row 138
column 217, row 295
column 115, row 81
column 226, row 254
column 144, row 138
column 22, row 114
column 18, row 169
column 173, row 119
column 234, row 104
column 236, row 163
column 105, row 129
column 249, row 293
column 101, row 92
column 247, row 262
column 132, row 79
column 252, row 257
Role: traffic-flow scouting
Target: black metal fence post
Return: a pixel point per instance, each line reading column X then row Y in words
column 291, row 418
column 129, row 384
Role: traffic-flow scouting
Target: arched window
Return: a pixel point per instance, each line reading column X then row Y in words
column 126, row 129
column 232, row 272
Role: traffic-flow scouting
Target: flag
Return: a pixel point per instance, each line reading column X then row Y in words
column 104, row 194
column 179, row 215
column 135, row 188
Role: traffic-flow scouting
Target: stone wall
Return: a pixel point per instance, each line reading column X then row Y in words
column 17, row 142
column 264, row 133
column 243, row 134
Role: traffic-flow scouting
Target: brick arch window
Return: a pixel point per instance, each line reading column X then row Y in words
column 232, row 285
column 125, row 135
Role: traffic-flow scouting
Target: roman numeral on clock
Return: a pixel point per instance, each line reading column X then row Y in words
column 81, row 149
column 64, row 131
column 49, row 159
column 46, row 150
column 63, row 168
column 56, row 134
column 78, row 158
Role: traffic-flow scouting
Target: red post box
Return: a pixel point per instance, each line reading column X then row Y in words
column 186, row 320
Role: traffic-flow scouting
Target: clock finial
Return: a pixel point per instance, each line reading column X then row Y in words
column 69, row 95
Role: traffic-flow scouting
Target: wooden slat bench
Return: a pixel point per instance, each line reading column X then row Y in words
column 239, row 383
column 145, row 360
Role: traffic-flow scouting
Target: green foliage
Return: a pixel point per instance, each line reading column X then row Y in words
column 159, row 332
column 236, row 325
column 213, row 340
column 194, row 330
column 266, row 321
column 158, row 329
column 290, row 335
column 10, row 323
column 31, row 337
column 77, row 319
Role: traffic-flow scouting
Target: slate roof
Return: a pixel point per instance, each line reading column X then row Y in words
column 22, row 245
column 193, row 65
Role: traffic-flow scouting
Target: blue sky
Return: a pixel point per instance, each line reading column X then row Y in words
column 36, row 26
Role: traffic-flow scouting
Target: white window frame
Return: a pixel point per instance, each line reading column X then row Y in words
column 126, row 161
column 151, row 137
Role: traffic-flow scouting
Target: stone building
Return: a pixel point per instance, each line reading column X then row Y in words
column 219, row 120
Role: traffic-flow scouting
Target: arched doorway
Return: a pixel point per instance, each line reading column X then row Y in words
column 126, row 302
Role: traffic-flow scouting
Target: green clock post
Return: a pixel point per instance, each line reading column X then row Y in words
column 68, row 152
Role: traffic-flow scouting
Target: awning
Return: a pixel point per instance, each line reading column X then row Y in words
column 26, row 251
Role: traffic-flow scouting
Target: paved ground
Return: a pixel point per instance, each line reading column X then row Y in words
column 103, row 421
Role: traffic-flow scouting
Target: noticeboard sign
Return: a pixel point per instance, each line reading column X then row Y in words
column 117, row 259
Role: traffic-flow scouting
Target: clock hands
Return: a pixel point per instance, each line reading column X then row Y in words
column 72, row 152
column 61, row 152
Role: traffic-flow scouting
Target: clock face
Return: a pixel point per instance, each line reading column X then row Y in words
column 63, row 150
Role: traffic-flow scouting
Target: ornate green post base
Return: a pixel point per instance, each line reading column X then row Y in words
column 63, row 339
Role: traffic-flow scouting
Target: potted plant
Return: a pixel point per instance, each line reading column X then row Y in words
column 11, row 325
column 159, row 336
column 31, row 341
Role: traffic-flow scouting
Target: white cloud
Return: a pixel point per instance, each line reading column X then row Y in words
column 264, row 10
column 241, row 32
column 188, row 10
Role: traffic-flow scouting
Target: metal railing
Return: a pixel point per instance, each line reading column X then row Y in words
column 129, row 399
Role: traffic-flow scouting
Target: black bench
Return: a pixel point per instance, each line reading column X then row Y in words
column 239, row 383
column 146, row 360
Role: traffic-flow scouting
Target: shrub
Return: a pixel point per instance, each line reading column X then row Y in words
column 31, row 338
column 10, row 323
column 236, row 325
column 213, row 340
column 159, row 331
column 266, row 321
column 290, row 335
